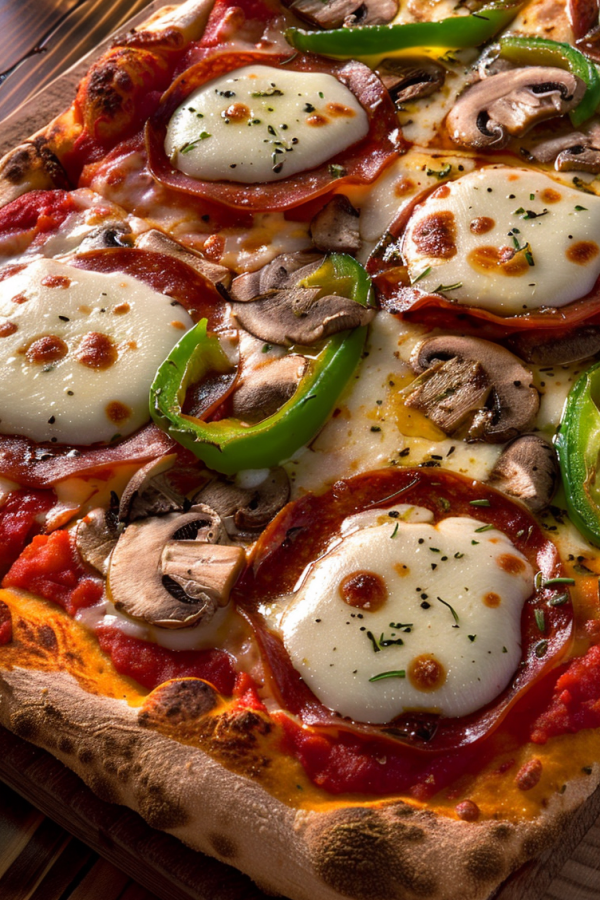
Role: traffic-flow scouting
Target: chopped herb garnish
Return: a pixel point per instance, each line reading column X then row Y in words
column 266, row 348
column 396, row 626
column 395, row 531
column 538, row 581
column 397, row 673
column 483, row 528
column 559, row 600
column 271, row 92
column 442, row 173
column 479, row 503
column 474, row 542
column 422, row 275
column 191, row 144
column 452, row 610
column 471, row 637
column 373, row 639
column 581, row 208
column 441, row 288
column 375, row 428
column 540, row 619
column 335, row 170
column 540, row 649
column 458, row 555
column 552, row 581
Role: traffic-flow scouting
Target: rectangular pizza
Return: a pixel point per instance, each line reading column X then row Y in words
column 300, row 435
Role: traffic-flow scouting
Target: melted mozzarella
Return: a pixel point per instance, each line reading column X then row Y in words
column 79, row 351
column 450, row 619
column 259, row 124
column 505, row 239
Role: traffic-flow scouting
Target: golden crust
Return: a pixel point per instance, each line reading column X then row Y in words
column 367, row 852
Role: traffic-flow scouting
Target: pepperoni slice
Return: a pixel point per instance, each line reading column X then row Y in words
column 303, row 531
column 362, row 162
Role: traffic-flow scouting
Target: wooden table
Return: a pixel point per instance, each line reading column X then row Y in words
column 98, row 851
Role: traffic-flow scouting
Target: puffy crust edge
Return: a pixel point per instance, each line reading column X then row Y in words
column 35, row 164
column 383, row 851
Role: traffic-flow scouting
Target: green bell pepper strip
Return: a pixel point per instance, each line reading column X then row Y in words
column 578, row 447
column 455, row 33
column 228, row 445
column 536, row 51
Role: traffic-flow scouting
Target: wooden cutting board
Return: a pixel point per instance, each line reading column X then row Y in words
column 38, row 859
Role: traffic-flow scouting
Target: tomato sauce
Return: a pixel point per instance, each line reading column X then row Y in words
column 20, row 520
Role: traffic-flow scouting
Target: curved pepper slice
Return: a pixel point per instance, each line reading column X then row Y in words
column 578, row 447
column 537, row 51
column 229, row 445
column 376, row 41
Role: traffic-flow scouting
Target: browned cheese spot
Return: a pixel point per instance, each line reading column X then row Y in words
column 549, row 195
column 583, row 252
column 511, row 564
column 58, row 281
column 46, row 349
column 426, row 673
column 436, row 235
column 177, row 324
column 528, row 775
column 97, row 351
column 338, row 110
column 364, row 590
column 121, row 309
column 467, row 811
column 442, row 192
column 7, row 328
column 502, row 260
column 118, row 412
column 481, row 225
column 239, row 112
column 403, row 186
column 401, row 569
column 491, row 599
column 317, row 120
column 20, row 298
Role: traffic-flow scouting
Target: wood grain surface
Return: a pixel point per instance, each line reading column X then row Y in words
column 57, row 840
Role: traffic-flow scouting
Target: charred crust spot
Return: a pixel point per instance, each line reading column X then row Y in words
column 47, row 639
column 66, row 745
column 158, row 808
column 35, row 156
column 235, row 737
column 485, row 863
column 6, row 633
column 178, row 702
column 435, row 235
column 123, row 772
column 85, row 756
column 503, row 832
column 223, row 846
column 359, row 857
column 103, row 788
column 25, row 724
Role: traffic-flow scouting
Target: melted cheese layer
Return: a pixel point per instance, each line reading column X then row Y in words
column 448, row 628
column 79, row 350
column 505, row 239
column 260, row 124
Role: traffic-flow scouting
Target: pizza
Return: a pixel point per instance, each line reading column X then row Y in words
column 299, row 435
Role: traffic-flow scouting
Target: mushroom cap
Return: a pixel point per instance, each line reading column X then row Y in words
column 249, row 509
column 335, row 228
column 411, row 77
column 148, row 492
column 528, row 470
column 267, row 388
column 513, row 403
column 335, row 13
column 160, row 576
column 510, row 103
column 96, row 536
column 275, row 275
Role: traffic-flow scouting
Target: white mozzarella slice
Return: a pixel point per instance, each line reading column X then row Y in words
column 438, row 606
column 79, row 351
column 260, row 124
column 507, row 240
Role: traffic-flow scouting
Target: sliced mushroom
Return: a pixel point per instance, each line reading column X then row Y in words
column 149, row 493
column 449, row 393
column 411, row 77
column 513, row 402
column 268, row 388
column 96, row 536
column 107, row 237
column 335, row 13
column 527, row 470
column 299, row 316
column 248, row 508
column 158, row 242
column 544, row 350
column 335, row 228
column 275, row 275
column 510, row 103
column 170, row 571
